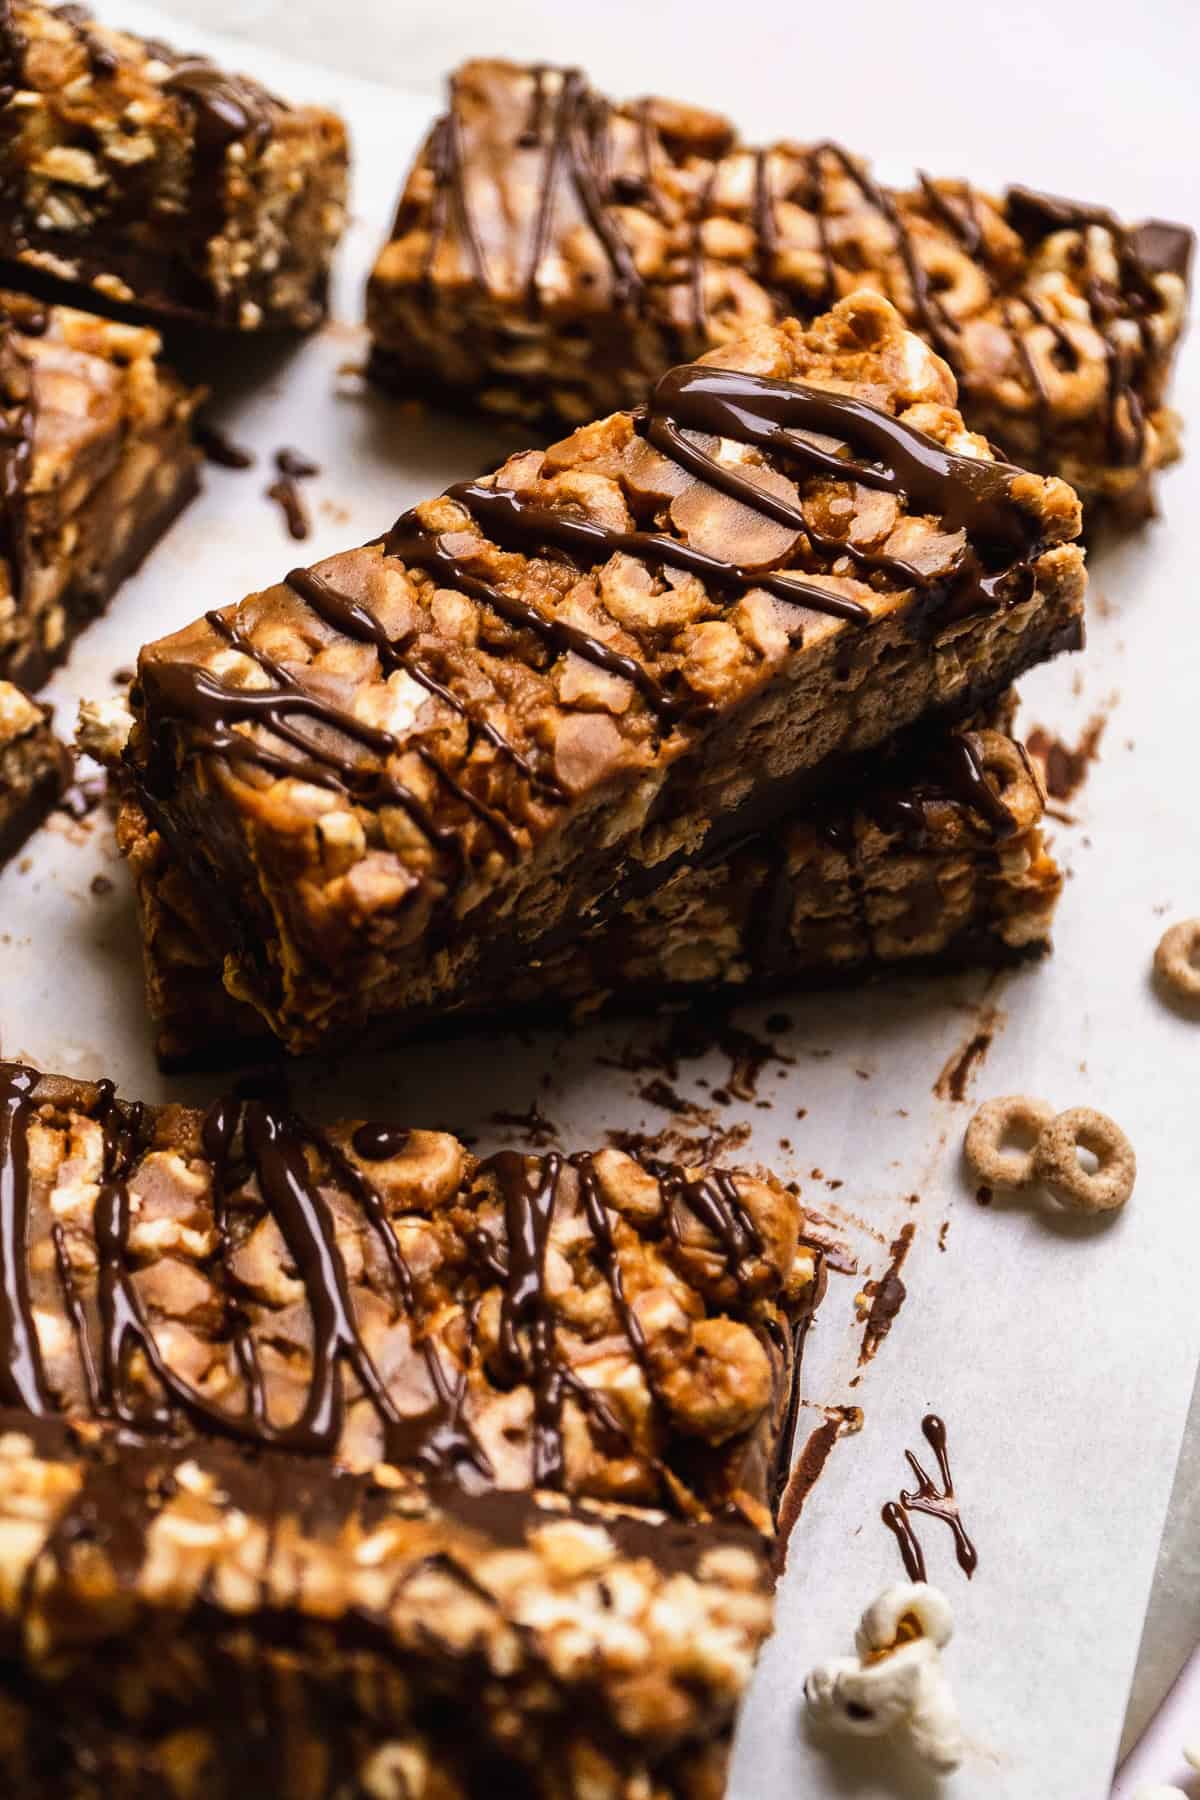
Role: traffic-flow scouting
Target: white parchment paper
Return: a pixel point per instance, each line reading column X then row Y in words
column 1060, row 1355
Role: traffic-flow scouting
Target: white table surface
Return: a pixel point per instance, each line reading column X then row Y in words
column 1093, row 99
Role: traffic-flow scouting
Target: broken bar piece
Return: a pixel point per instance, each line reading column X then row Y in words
column 34, row 768
column 181, row 1619
column 97, row 460
column 554, row 251
column 158, row 181
column 438, row 757
column 593, row 1324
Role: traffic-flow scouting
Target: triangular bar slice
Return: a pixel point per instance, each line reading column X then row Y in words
column 592, row 1323
column 553, row 251
column 231, row 1625
column 435, row 758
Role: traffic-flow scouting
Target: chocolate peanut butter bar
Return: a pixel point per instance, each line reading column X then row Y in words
column 434, row 759
column 157, row 180
column 935, row 860
column 230, row 1626
column 554, row 251
column 96, row 460
column 593, row 1324
column 34, row 768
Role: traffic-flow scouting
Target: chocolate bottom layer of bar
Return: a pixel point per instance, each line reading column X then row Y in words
column 188, row 1620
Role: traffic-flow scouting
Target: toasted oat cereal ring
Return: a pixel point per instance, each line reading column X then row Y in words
column 1177, row 959
column 987, row 1131
column 1057, row 1166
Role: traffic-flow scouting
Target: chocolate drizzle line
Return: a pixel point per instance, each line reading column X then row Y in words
column 262, row 1141
column 927, row 1499
column 941, row 1505
column 913, row 1557
column 574, row 142
column 18, row 419
column 968, row 494
column 22, row 1377
column 215, row 708
column 578, row 139
column 693, row 402
column 450, row 200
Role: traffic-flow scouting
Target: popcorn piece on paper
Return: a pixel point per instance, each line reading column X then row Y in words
column 896, row 1682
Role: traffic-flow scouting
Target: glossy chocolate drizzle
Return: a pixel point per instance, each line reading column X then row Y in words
column 572, row 132
column 688, row 408
column 927, row 1499
column 102, row 63
column 780, row 418
column 18, row 422
column 245, row 1139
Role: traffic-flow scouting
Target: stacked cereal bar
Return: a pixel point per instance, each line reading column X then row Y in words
column 433, row 760
column 157, row 180
column 937, row 859
column 554, row 251
column 96, row 460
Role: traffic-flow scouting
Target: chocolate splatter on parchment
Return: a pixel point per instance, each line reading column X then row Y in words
column 287, row 495
column 809, row 1466
column 220, row 449
column 886, row 1295
column 911, row 1553
column 659, row 1092
column 532, row 1124
column 679, row 1146
column 927, row 1499
column 694, row 1034
column 960, row 1068
column 295, row 464
column 1064, row 766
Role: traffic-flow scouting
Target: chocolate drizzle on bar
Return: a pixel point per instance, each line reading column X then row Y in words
column 781, row 418
column 18, row 419
column 22, row 1377
column 282, row 1169
column 569, row 127
column 809, row 430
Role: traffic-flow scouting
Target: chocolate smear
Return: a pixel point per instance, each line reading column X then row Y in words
column 888, row 1295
